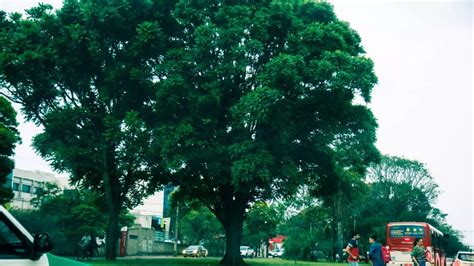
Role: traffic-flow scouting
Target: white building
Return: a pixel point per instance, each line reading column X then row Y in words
column 25, row 185
column 151, row 207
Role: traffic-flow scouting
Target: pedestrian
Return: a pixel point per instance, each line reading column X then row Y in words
column 375, row 252
column 92, row 247
column 418, row 254
column 84, row 242
column 83, row 247
column 352, row 250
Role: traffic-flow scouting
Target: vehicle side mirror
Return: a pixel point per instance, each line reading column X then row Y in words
column 41, row 245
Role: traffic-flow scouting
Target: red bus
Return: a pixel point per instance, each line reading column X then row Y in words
column 400, row 239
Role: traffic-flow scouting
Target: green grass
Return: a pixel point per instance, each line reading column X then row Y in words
column 206, row 262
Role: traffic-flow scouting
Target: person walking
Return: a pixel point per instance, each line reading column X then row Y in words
column 418, row 254
column 375, row 252
column 82, row 247
column 92, row 246
column 352, row 250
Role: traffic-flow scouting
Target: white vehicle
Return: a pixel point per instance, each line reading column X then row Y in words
column 277, row 252
column 246, row 252
column 464, row 258
column 20, row 248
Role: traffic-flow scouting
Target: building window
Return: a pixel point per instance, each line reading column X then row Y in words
column 16, row 186
column 26, row 188
column 37, row 190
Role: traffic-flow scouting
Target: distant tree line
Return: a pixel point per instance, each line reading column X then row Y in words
column 395, row 189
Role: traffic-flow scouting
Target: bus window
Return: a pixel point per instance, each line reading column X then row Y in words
column 439, row 241
column 434, row 240
column 444, row 241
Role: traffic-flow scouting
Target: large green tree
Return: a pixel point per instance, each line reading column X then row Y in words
column 256, row 98
column 247, row 98
column 85, row 74
column 399, row 190
column 9, row 137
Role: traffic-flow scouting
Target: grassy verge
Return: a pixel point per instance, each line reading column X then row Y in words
column 207, row 262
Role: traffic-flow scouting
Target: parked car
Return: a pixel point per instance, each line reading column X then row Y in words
column 195, row 251
column 19, row 248
column 246, row 252
column 277, row 253
column 464, row 258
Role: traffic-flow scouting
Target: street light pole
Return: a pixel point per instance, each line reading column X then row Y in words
column 176, row 232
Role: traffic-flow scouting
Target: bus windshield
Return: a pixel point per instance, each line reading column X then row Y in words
column 407, row 231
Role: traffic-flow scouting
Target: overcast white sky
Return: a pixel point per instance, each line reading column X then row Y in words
column 423, row 54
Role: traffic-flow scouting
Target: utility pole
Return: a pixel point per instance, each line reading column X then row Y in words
column 176, row 231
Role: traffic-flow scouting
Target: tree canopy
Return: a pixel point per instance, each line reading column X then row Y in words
column 84, row 72
column 9, row 137
column 402, row 189
column 234, row 101
column 398, row 170
column 255, row 99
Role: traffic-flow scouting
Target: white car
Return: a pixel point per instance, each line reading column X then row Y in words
column 246, row 252
column 276, row 253
column 464, row 258
column 20, row 248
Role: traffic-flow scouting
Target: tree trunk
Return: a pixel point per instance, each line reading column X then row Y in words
column 112, row 235
column 113, row 203
column 339, row 244
column 340, row 240
column 233, row 230
column 231, row 215
column 340, row 229
column 267, row 247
